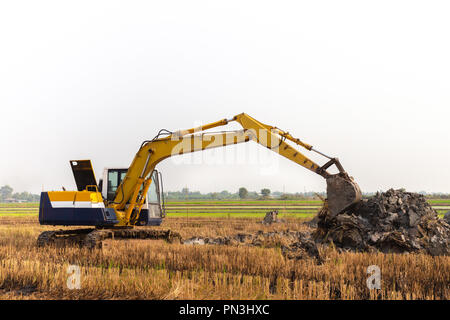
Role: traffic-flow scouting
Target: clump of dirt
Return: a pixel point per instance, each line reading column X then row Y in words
column 393, row 221
column 271, row 217
column 294, row 244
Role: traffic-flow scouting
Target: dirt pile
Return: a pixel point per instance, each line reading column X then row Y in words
column 393, row 221
column 271, row 217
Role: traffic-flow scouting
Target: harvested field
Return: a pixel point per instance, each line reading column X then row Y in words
column 139, row 269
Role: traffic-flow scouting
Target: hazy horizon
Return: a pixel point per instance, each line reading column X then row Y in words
column 366, row 82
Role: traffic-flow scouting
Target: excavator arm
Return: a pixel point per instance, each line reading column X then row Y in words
column 342, row 191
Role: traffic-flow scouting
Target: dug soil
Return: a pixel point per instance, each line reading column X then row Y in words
column 391, row 222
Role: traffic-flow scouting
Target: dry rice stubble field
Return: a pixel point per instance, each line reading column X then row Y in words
column 139, row 269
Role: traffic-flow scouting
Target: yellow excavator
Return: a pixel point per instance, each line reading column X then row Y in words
column 126, row 198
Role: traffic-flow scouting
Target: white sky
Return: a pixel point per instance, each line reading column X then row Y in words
column 367, row 82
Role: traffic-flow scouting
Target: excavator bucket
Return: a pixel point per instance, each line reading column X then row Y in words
column 342, row 192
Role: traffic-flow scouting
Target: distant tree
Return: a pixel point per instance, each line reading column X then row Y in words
column 265, row 192
column 185, row 191
column 5, row 192
column 224, row 195
column 23, row 196
column 243, row 193
column 253, row 195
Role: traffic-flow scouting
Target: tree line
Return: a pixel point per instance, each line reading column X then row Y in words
column 242, row 193
column 7, row 193
column 265, row 193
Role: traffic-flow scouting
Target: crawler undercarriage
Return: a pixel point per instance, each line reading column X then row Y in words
column 93, row 238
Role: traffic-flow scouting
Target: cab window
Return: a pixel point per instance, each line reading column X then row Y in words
column 115, row 178
column 152, row 194
column 113, row 183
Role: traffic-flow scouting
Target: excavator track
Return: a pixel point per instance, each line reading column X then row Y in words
column 46, row 238
column 62, row 237
column 93, row 238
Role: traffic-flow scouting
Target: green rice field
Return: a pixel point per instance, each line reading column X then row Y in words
column 221, row 209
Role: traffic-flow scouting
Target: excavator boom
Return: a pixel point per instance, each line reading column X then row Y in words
column 342, row 190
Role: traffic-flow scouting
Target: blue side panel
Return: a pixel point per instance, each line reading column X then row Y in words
column 74, row 216
column 144, row 219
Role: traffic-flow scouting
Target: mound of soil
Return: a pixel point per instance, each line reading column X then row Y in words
column 393, row 221
column 271, row 217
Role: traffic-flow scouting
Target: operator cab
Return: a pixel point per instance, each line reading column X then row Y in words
column 153, row 210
